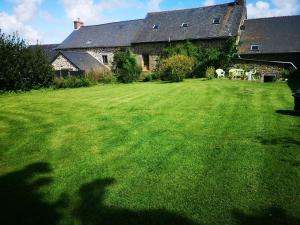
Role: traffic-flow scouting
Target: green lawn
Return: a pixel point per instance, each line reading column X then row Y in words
column 199, row 152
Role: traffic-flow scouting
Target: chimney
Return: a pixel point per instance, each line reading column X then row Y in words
column 241, row 2
column 78, row 24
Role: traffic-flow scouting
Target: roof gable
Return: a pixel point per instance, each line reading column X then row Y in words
column 82, row 60
column 50, row 50
column 200, row 23
column 118, row 34
column 272, row 35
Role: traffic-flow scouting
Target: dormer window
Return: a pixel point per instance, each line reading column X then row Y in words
column 216, row 20
column 184, row 25
column 254, row 48
column 155, row 27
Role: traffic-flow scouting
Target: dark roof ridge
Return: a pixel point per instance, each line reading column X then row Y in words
column 77, row 52
column 273, row 17
column 176, row 10
column 112, row 23
column 44, row 44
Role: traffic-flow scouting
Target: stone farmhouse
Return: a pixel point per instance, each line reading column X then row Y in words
column 268, row 43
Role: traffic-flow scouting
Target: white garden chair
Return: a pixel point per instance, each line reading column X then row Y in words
column 220, row 73
column 250, row 74
column 236, row 73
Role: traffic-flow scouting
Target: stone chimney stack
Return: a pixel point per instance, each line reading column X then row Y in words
column 78, row 24
column 241, row 2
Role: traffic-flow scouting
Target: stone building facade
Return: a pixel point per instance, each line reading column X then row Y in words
column 148, row 37
column 261, row 40
column 271, row 44
column 61, row 63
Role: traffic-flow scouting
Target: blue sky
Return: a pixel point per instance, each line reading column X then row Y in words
column 51, row 21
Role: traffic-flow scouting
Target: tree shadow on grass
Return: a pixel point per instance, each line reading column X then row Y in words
column 286, row 141
column 92, row 211
column 21, row 199
column 270, row 216
column 287, row 112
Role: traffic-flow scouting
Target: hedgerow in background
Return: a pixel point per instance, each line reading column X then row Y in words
column 125, row 66
column 22, row 68
column 105, row 77
column 71, row 82
column 155, row 75
column 176, row 68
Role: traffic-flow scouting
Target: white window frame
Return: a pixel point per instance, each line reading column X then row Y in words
column 216, row 20
column 156, row 27
column 185, row 25
column 256, row 46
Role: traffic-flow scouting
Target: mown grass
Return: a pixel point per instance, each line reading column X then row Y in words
column 197, row 152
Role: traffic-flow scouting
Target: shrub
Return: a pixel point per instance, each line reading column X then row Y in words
column 22, row 67
column 125, row 66
column 204, row 57
column 176, row 68
column 147, row 77
column 210, row 72
column 151, row 76
column 155, row 75
column 105, row 77
column 285, row 73
column 70, row 82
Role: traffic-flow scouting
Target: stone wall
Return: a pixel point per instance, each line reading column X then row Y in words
column 262, row 68
column 97, row 53
column 293, row 57
column 155, row 50
column 61, row 63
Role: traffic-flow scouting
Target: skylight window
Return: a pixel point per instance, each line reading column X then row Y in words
column 184, row 25
column 216, row 20
column 254, row 48
column 155, row 26
column 89, row 42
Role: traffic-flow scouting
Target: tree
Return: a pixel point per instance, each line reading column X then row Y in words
column 125, row 66
column 21, row 67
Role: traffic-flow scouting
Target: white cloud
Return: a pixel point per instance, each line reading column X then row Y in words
column 91, row 12
column 209, row 3
column 24, row 11
column 154, row 5
column 277, row 8
column 86, row 10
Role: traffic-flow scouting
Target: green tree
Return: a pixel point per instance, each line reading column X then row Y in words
column 21, row 67
column 125, row 66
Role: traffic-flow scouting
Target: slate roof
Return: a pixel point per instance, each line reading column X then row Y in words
column 82, row 60
column 118, row 34
column 200, row 23
column 273, row 35
column 50, row 50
